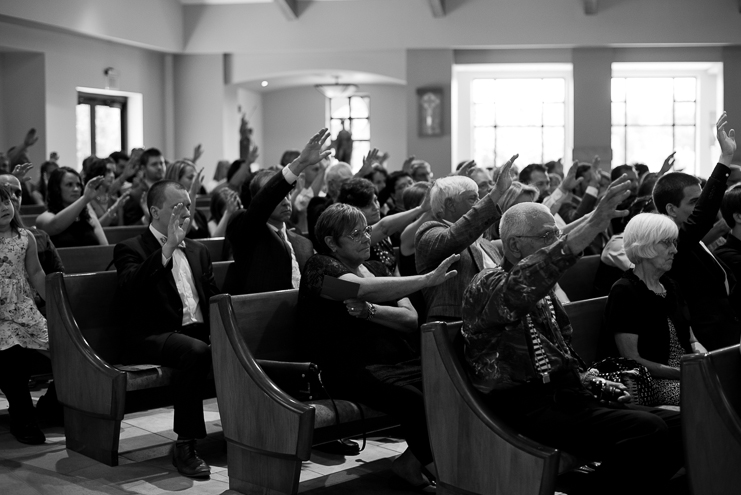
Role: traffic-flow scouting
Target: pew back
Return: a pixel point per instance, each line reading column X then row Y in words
column 578, row 281
column 586, row 321
column 87, row 259
column 29, row 220
column 118, row 234
column 34, row 210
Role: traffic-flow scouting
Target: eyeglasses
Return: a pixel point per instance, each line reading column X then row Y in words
column 669, row 242
column 548, row 238
column 355, row 234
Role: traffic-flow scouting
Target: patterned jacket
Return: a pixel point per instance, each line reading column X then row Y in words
column 496, row 305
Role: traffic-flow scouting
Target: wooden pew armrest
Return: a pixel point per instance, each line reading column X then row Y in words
column 261, row 417
column 85, row 381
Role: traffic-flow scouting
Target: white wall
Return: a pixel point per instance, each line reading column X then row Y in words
column 400, row 24
column 71, row 61
column 155, row 24
column 292, row 115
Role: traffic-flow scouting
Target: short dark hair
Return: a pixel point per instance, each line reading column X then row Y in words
column 415, row 194
column 233, row 169
column 156, row 193
column 260, row 179
column 7, row 195
column 647, row 184
column 640, row 168
column 390, row 188
column 148, row 153
column 670, row 189
column 337, row 220
column 377, row 169
column 117, row 156
column 98, row 167
column 582, row 169
column 731, row 204
column 288, row 156
column 357, row 192
column 526, row 172
column 54, row 191
column 620, row 170
column 551, row 166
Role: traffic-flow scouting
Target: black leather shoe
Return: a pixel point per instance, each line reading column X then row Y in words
column 186, row 460
column 28, row 433
column 340, row 447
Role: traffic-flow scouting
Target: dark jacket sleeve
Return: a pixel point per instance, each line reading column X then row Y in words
column 243, row 224
column 704, row 215
column 136, row 272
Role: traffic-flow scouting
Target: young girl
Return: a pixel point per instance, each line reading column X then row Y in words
column 22, row 327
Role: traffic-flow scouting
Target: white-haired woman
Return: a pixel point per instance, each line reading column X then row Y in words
column 645, row 311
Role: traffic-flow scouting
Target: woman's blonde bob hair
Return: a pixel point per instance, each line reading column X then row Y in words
column 643, row 232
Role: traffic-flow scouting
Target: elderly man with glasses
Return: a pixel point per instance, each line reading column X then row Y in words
column 519, row 356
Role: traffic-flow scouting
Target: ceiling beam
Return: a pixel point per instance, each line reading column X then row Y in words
column 438, row 8
column 590, row 7
column 289, row 8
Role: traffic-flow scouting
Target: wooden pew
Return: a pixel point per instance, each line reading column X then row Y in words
column 29, row 220
column 118, row 234
column 268, row 432
column 711, row 420
column 203, row 200
column 578, row 281
column 88, row 259
column 34, row 210
column 476, row 452
column 86, row 345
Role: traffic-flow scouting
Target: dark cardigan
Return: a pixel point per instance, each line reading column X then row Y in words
column 633, row 308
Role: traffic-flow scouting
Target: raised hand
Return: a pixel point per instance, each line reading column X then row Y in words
column 176, row 229
column 197, row 153
column 196, row 185
column 441, row 273
column 426, row 206
column 233, row 204
column 407, row 165
column 31, row 138
column 616, row 193
column 504, row 181
column 668, row 164
column 727, row 141
column 54, row 157
column 21, row 170
column 466, row 168
column 570, row 181
column 253, row 154
column 122, row 199
column 312, row 152
column 91, row 188
column 132, row 166
column 370, row 159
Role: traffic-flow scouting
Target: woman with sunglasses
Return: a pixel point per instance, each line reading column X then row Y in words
column 645, row 311
column 363, row 333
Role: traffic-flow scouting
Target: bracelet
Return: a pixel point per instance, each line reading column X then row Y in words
column 371, row 311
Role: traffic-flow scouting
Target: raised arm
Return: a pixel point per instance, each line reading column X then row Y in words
column 56, row 223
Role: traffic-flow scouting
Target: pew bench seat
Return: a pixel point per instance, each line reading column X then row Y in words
column 268, row 432
column 84, row 340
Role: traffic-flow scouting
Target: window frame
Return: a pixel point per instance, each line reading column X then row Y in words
column 464, row 75
column 92, row 99
column 330, row 119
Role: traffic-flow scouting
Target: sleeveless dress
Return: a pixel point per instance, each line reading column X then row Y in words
column 20, row 322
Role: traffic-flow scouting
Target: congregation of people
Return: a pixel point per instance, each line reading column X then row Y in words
column 483, row 246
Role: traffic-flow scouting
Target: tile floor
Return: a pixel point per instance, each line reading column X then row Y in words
column 145, row 467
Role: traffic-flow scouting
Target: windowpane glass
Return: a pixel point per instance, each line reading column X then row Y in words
column 554, row 90
column 618, row 145
column 618, row 113
column 553, row 141
column 649, row 145
column 360, row 150
column 684, row 144
column 360, row 129
column 685, row 88
column 107, row 130
column 483, row 146
column 527, row 141
column 649, row 101
column 518, row 91
column 335, row 126
column 359, row 107
column 84, row 134
column 684, row 113
column 482, row 91
column 618, row 89
column 519, row 113
column 553, row 114
column 483, row 114
column 340, row 109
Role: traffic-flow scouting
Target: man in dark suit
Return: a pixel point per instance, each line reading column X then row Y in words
column 164, row 284
column 730, row 252
column 460, row 220
column 268, row 257
column 705, row 282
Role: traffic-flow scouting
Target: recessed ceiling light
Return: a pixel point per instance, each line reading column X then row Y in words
column 264, row 83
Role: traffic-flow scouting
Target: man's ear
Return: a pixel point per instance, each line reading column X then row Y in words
column 512, row 246
column 449, row 204
column 329, row 241
column 671, row 210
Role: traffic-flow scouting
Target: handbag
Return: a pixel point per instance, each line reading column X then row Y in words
column 633, row 375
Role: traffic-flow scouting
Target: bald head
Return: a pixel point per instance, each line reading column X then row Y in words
column 15, row 187
column 526, row 228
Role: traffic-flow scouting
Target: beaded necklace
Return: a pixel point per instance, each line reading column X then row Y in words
column 541, row 360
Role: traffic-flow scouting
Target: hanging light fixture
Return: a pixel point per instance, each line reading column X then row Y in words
column 336, row 90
